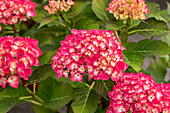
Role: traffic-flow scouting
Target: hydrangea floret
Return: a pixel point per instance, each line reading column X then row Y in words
column 12, row 11
column 58, row 5
column 139, row 93
column 94, row 52
column 123, row 9
column 17, row 55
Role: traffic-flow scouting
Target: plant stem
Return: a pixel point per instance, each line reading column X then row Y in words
column 117, row 35
column 87, row 85
column 34, row 87
column 92, row 85
column 64, row 21
column 26, row 97
column 37, row 97
column 34, row 102
column 106, row 98
column 125, row 33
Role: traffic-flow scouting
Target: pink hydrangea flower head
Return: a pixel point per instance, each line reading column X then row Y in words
column 17, row 55
column 139, row 93
column 96, row 53
column 123, row 9
column 58, row 5
column 12, row 11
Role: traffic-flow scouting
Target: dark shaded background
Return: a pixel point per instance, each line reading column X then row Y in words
column 27, row 107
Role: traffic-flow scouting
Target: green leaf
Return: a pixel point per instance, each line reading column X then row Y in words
column 13, row 92
column 46, row 88
column 6, row 104
column 86, row 23
column 78, row 8
column 39, row 16
column 151, row 28
column 153, row 7
column 157, row 71
column 164, row 14
column 166, row 39
column 46, row 57
column 99, row 8
column 46, row 20
column 115, row 25
column 151, row 47
column 86, row 100
column 41, row 109
column 102, row 87
column 60, row 97
column 168, row 8
column 134, row 60
column 41, row 73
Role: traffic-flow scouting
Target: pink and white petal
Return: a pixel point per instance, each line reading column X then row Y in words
column 13, row 81
column 3, row 82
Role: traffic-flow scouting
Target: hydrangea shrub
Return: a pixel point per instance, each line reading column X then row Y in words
column 123, row 9
column 139, row 93
column 94, row 52
column 79, row 58
column 17, row 56
column 13, row 11
column 54, row 6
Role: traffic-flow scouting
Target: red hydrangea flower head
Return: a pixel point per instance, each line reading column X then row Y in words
column 123, row 9
column 58, row 5
column 94, row 52
column 12, row 11
column 17, row 55
column 139, row 93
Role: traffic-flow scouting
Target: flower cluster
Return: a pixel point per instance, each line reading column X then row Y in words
column 135, row 9
column 12, row 11
column 17, row 55
column 139, row 93
column 58, row 5
column 94, row 52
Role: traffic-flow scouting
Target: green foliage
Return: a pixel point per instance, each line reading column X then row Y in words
column 151, row 28
column 41, row 73
column 46, row 20
column 9, row 97
column 102, row 87
column 151, row 47
column 86, row 100
column 166, row 39
column 115, row 25
column 154, row 11
column 51, row 93
column 61, row 95
column 46, row 57
column 168, row 9
column 6, row 104
column 10, row 92
column 134, row 60
column 157, row 71
column 86, row 23
column 99, row 8
column 41, row 109
column 78, row 8
column 46, row 88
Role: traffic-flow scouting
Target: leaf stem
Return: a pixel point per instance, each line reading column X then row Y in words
column 26, row 97
column 34, row 87
column 106, row 98
column 64, row 21
column 87, row 85
column 34, row 102
column 92, row 85
column 117, row 35
column 37, row 97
